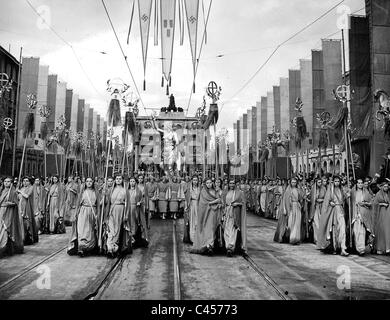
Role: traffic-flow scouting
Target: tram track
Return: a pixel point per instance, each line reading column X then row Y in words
column 109, row 278
column 279, row 291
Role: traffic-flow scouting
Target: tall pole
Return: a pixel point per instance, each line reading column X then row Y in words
column 17, row 111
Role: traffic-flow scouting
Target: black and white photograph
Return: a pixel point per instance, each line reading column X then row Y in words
column 173, row 151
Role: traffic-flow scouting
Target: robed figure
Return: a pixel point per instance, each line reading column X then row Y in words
column 71, row 193
column 382, row 220
column 234, row 227
column 362, row 218
column 119, row 236
column 39, row 202
column 54, row 207
column 191, row 211
column 136, row 215
column 317, row 197
column 332, row 229
column 11, row 239
column 26, row 211
column 83, row 238
column 289, row 226
column 209, row 206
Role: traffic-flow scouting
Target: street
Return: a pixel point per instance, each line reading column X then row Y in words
column 164, row 271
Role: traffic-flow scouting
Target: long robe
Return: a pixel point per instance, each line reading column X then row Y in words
column 293, row 203
column 26, row 209
column 207, row 221
column 362, row 219
column 55, row 203
column 119, row 236
column 278, row 192
column 71, row 193
column 162, row 191
column 39, row 202
column 191, row 214
column 84, row 226
column 235, row 221
column 103, row 214
column 263, row 200
column 382, row 222
column 136, row 214
column 317, row 194
column 332, row 222
column 150, row 196
column 270, row 202
column 173, row 197
column 11, row 240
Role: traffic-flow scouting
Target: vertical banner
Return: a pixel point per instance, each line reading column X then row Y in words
column 192, row 13
column 131, row 21
column 145, row 13
column 167, row 8
column 156, row 22
column 181, row 21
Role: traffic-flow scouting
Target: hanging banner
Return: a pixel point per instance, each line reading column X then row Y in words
column 131, row 21
column 181, row 21
column 156, row 22
column 192, row 13
column 145, row 13
column 167, row 8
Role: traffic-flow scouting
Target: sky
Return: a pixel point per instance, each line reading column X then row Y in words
column 240, row 37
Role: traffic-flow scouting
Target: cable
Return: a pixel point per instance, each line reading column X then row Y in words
column 68, row 44
column 200, row 52
column 277, row 48
column 123, row 54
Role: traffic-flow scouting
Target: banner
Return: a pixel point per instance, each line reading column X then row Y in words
column 145, row 13
column 192, row 10
column 167, row 8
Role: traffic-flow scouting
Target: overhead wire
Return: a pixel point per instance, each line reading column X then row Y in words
column 277, row 48
column 69, row 45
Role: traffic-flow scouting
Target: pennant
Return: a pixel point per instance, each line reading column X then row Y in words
column 181, row 21
column 131, row 21
column 167, row 8
column 204, row 22
column 145, row 13
column 192, row 13
column 156, row 22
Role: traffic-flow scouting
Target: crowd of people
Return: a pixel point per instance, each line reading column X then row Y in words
column 112, row 217
column 337, row 216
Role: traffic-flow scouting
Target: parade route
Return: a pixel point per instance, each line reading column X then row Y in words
column 278, row 271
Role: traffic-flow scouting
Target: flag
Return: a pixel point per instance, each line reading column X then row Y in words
column 167, row 8
column 145, row 13
column 192, row 12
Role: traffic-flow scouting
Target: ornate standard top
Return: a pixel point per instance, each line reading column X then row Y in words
column 213, row 91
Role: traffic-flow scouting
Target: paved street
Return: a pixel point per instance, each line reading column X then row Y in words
column 272, row 271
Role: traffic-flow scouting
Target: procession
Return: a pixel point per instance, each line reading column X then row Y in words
column 127, row 174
